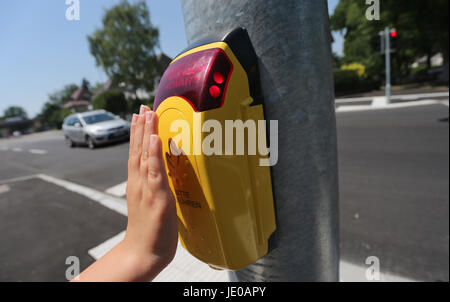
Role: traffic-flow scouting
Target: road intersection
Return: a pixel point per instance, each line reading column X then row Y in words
column 56, row 202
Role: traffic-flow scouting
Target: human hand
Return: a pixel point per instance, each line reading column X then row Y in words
column 152, row 224
column 151, row 238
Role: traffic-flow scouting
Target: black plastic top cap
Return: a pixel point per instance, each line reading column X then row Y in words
column 242, row 47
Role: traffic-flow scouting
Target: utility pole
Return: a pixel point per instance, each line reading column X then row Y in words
column 387, row 51
column 292, row 41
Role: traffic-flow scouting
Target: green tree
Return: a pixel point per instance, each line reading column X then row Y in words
column 52, row 112
column 422, row 31
column 111, row 100
column 14, row 111
column 51, row 115
column 125, row 46
column 62, row 96
column 96, row 87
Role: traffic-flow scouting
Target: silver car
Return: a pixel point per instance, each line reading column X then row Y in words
column 94, row 128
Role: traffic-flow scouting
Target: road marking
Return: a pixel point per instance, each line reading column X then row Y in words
column 37, row 151
column 17, row 179
column 4, row 189
column 119, row 190
column 350, row 272
column 17, row 149
column 379, row 101
column 351, row 108
column 116, row 204
column 100, row 250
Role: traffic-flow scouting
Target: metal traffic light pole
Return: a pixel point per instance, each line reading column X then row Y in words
column 292, row 40
column 387, row 35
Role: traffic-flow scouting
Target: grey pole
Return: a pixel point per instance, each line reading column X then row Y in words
column 292, row 40
column 388, row 63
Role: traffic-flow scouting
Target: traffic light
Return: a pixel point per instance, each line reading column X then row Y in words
column 393, row 33
column 393, row 36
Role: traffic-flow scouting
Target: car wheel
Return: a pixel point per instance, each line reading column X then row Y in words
column 69, row 142
column 90, row 143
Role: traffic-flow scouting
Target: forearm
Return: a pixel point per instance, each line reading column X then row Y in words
column 121, row 264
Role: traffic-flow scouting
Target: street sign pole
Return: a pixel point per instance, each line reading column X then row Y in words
column 292, row 40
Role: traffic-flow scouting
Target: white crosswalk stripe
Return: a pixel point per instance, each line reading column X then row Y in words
column 116, row 204
column 37, row 151
column 100, row 250
column 18, row 149
column 379, row 106
column 118, row 190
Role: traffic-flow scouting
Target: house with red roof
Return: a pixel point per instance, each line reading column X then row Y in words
column 81, row 99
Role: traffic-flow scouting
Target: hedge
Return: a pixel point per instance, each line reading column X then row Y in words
column 347, row 81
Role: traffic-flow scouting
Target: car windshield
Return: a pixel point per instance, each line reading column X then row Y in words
column 98, row 118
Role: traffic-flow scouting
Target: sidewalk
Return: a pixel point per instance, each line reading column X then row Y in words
column 365, row 100
column 186, row 268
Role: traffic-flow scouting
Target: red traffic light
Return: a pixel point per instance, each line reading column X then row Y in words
column 393, row 33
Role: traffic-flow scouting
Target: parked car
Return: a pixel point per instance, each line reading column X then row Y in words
column 17, row 133
column 94, row 128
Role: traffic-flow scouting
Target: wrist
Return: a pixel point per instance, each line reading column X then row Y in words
column 144, row 265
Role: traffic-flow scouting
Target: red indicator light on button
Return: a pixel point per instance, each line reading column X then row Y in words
column 393, row 33
column 214, row 91
column 218, row 77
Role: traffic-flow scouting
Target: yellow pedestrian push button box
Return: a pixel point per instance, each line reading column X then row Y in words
column 224, row 197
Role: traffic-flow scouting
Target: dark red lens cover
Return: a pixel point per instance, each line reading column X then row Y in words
column 191, row 77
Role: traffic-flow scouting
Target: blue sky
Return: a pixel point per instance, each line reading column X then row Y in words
column 40, row 51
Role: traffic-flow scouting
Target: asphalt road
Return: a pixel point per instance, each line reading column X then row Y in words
column 43, row 223
column 394, row 184
column 394, row 189
column 100, row 169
